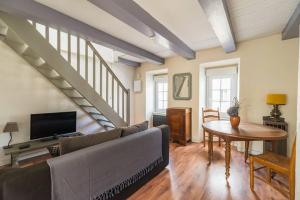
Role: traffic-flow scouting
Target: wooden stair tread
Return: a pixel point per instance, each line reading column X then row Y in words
column 103, row 120
column 109, row 126
column 56, row 78
column 94, row 113
column 89, row 106
column 66, row 88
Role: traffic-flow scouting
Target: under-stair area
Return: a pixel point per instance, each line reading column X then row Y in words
column 73, row 65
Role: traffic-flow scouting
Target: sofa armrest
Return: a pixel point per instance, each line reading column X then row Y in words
column 165, row 142
column 30, row 183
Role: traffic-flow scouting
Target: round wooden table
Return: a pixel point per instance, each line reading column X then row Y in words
column 246, row 132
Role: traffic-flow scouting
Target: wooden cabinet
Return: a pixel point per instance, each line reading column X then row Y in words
column 180, row 124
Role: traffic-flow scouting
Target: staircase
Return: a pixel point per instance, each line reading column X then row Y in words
column 73, row 65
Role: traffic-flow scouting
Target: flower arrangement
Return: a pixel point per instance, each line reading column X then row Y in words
column 233, row 111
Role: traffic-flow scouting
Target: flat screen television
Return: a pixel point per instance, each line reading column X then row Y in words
column 52, row 124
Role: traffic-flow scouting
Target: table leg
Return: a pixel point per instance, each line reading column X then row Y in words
column 227, row 157
column 246, row 150
column 210, row 147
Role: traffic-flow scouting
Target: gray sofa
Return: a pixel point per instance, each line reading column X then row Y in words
column 34, row 182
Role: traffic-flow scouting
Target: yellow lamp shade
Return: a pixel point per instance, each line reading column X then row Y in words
column 276, row 99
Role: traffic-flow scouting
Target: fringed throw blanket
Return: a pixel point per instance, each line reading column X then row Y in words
column 102, row 171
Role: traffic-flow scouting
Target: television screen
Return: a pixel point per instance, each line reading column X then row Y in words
column 52, row 124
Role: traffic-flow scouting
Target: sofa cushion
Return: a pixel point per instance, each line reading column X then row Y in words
column 71, row 144
column 135, row 128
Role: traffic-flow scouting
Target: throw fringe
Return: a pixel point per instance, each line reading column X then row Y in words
column 128, row 182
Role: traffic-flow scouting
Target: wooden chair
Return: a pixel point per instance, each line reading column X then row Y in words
column 278, row 164
column 210, row 115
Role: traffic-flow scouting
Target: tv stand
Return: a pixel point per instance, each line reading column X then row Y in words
column 48, row 139
column 16, row 149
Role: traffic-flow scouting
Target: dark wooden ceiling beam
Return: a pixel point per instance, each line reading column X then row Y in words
column 135, row 16
column 43, row 14
column 291, row 30
column 128, row 62
column 218, row 17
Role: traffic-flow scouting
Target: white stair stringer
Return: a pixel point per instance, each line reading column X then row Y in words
column 21, row 36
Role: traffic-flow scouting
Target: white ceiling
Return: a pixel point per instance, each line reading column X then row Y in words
column 185, row 18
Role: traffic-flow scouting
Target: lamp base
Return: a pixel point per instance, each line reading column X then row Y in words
column 275, row 113
column 7, row 147
column 269, row 118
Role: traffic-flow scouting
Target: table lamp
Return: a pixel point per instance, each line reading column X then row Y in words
column 10, row 127
column 276, row 100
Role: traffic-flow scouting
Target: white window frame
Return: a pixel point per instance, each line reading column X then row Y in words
column 233, row 90
column 162, row 78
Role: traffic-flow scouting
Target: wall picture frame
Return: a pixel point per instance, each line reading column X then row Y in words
column 182, row 86
column 137, row 86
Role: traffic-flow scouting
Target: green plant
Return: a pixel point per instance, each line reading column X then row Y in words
column 233, row 111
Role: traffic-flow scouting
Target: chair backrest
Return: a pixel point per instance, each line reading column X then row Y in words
column 293, row 155
column 209, row 114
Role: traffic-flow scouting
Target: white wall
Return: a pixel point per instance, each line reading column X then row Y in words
column 25, row 91
column 267, row 65
column 298, row 136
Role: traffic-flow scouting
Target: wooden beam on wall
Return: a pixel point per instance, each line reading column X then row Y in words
column 43, row 14
column 128, row 62
column 218, row 16
column 135, row 16
column 291, row 30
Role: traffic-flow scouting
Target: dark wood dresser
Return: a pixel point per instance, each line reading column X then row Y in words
column 180, row 124
column 159, row 119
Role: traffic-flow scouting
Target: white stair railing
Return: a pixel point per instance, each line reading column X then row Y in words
column 87, row 61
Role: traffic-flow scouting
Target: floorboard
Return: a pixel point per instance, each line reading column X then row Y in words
column 188, row 177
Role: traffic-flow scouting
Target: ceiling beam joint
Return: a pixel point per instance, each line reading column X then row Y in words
column 217, row 14
column 135, row 16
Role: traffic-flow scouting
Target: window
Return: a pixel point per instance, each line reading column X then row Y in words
column 221, row 88
column 161, row 93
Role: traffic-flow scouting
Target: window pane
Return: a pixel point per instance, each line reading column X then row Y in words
column 226, row 95
column 165, row 86
column 165, row 96
column 225, row 84
column 224, row 106
column 160, row 105
column 160, row 96
column 160, row 87
column 216, row 95
column 165, row 104
column 215, row 105
column 216, row 84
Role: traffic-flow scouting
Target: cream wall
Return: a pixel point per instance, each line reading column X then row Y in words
column 266, row 65
column 298, row 137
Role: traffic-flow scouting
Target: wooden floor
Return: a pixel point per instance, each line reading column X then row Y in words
column 188, row 177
